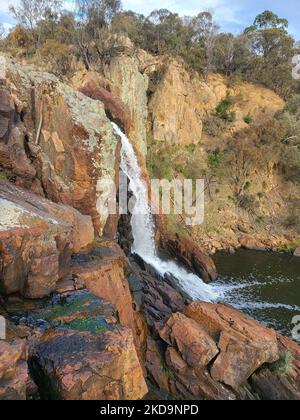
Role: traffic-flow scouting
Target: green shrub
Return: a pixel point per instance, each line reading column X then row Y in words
column 214, row 158
column 58, row 56
column 223, row 110
column 247, row 185
column 190, row 148
column 248, row 119
column 293, row 105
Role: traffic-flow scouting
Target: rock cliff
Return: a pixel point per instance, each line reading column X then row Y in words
column 56, row 141
column 84, row 320
column 181, row 101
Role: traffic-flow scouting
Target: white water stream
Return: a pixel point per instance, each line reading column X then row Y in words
column 143, row 229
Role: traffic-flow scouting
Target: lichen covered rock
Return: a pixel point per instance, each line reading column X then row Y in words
column 37, row 238
column 130, row 84
column 66, row 148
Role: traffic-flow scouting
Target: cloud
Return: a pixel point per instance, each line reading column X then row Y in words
column 5, row 17
column 231, row 15
column 222, row 9
column 69, row 5
column 4, row 5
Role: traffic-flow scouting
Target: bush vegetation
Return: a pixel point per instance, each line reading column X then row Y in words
column 223, row 110
column 248, row 119
column 262, row 53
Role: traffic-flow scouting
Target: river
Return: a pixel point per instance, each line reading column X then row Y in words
column 264, row 285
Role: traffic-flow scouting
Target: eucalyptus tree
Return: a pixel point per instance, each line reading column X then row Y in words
column 29, row 13
column 93, row 23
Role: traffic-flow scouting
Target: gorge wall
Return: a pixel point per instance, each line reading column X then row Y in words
column 173, row 113
column 84, row 320
column 55, row 141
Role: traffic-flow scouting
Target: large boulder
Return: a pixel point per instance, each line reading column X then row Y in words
column 56, row 141
column 85, row 366
column 194, row 344
column 244, row 344
column 37, row 238
column 213, row 351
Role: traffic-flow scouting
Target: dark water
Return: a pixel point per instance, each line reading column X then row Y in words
column 264, row 285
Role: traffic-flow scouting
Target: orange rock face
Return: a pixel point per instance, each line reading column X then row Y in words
column 104, row 276
column 194, row 344
column 244, row 344
column 216, row 352
column 84, row 366
column 56, row 141
column 37, row 238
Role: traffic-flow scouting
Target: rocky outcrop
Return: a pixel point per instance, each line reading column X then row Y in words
column 190, row 254
column 242, row 342
column 196, row 347
column 65, row 147
column 13, row 370
column 129, row 83
column 77, row 349
column 102, row 272
column 114, row 107
column 37, row 238
column 115, row 318
column 216, row 352
column 182, row 99
column 85, row 366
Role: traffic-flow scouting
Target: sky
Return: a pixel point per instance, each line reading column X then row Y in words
column 231, row 15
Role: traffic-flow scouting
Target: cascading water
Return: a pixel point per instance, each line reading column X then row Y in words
column 143, row 229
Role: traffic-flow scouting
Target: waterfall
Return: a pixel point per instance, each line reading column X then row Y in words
column 143, row 229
